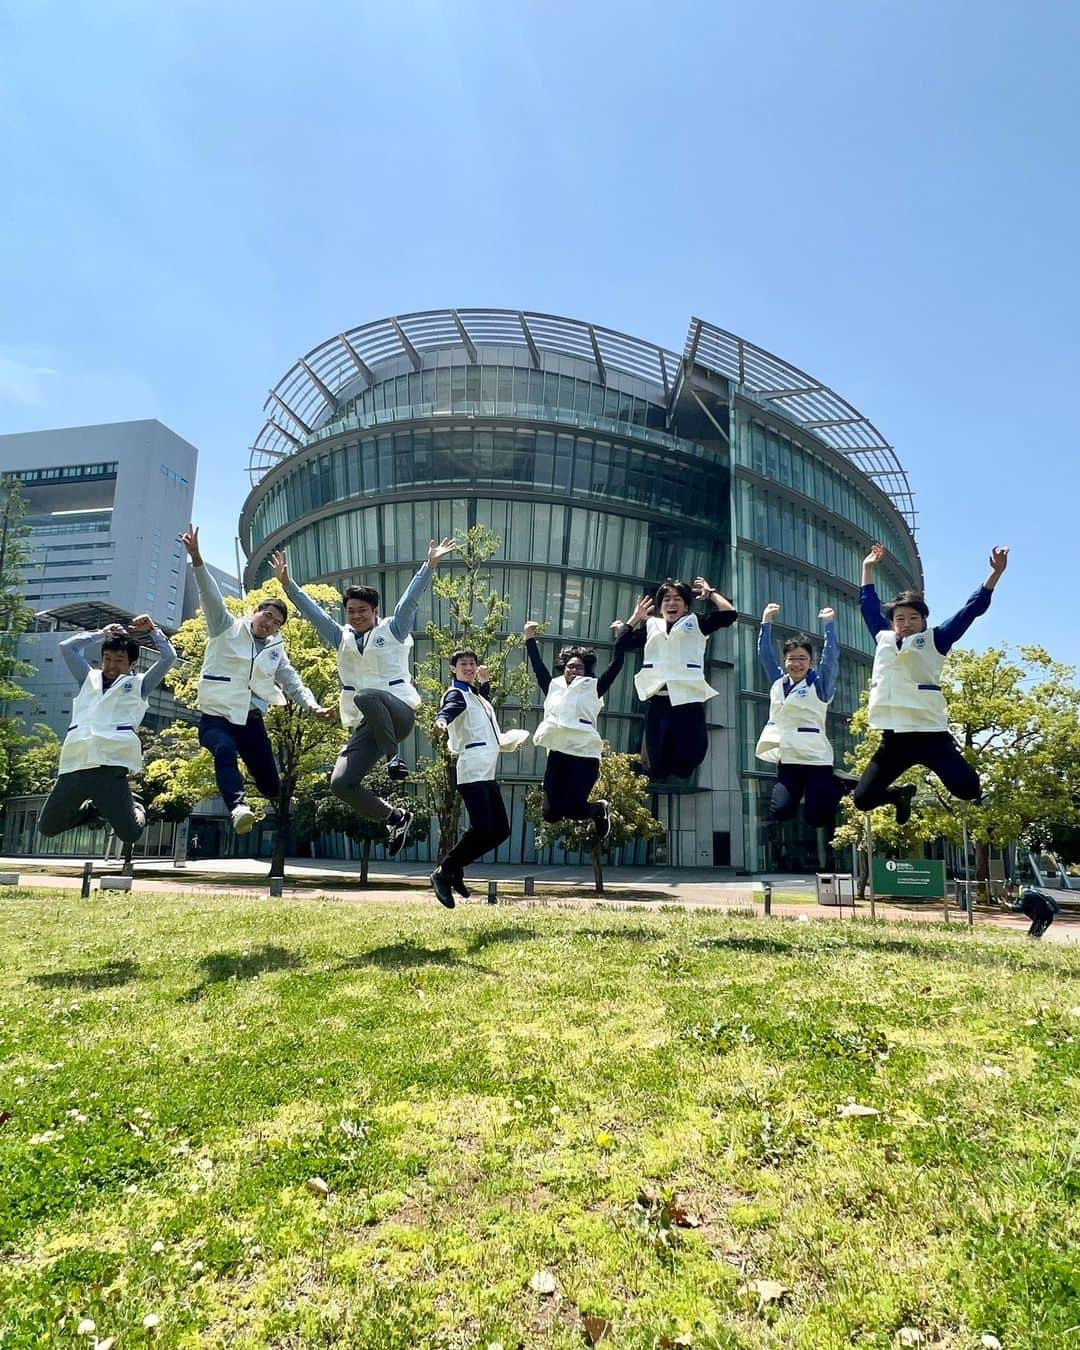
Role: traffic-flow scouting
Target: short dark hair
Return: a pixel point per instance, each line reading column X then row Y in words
column 792, row 644
column 119, row 644
column 456, row 656
column 368, row 595
column 279, row 605
column 910, row 600
column 585, row 654
column 679, row 587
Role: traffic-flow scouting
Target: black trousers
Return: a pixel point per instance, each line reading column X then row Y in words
column 227, row 742
column 813, row 782
column 676, row 738
column 488, row 826
column 568, row 780
column 900, row 751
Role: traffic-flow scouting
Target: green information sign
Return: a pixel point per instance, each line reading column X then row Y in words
column 912, row 878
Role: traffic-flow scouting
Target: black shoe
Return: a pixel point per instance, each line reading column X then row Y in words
column 904, row 798
column 397, row 831
column 397, row 769
column 457, row 881
column 603, row 822
column 441, row 886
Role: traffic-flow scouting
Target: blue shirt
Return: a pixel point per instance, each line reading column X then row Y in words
column 946, row 634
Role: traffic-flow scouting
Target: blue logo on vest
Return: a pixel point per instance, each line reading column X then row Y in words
column 801, row 693
column 127, row 686
column 920, row 642
column 380, row 641
column 688, row 625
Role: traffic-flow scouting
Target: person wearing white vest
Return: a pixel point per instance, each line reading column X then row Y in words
column 467, row 721
column 573, row 700
column 795, row 737
column 671, row 681
column 906, row 702
column 102, row 743
column 378, row 699
column 245, row 670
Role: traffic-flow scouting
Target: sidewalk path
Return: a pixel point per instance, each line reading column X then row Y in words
column 625, row 888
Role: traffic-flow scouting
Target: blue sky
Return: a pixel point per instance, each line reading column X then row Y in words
column 885, row 194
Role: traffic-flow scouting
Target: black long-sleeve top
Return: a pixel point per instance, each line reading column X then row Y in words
column 633, row 639
column 544, row 677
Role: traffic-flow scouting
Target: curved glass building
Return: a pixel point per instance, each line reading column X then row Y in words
column 604, row 463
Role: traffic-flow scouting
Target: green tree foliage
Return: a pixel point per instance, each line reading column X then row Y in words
column 304, row 746
column 36, row 762
column 477, row 618
column 627, row 793
column 15, row 616
column 322, row 812
column 177, row 774
column 1015, row 713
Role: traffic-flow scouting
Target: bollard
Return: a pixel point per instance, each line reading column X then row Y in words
column 277, row 887
column 9, row 878
column 493, row 892
column 530, row 885
column 116, row 883
column 87, row 877
column 766, row 887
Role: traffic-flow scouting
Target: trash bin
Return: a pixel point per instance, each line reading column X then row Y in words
column 827, row 893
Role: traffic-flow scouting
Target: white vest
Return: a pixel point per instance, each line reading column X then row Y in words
column 570, row 715
column 103, row 725
column 905, row 687
column 795, row 732
column 234, row 669
column 474, row 739
column 383, row 664
column 674, row 660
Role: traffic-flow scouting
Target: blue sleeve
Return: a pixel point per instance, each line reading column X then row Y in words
column 327, row 628
column 71, row 649
column 767, row 653
column 452, row 705
column 161, row 667
column 218, row 618
column 829, row 664
column 871, row 610
column 947, row 634
column 404, row 617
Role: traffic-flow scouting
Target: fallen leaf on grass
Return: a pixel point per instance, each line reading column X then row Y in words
column 989, row 1341
column 106, row 1344
column 909, row 1336
column 767, row 1291
column 318, row 1187
column 677, row 1342
column 542, row 1282
column 855, row 1109
column 86, row 1327
column 150, row 1321
column 596, row 1328
column 5, row 1116
column 684, row 1218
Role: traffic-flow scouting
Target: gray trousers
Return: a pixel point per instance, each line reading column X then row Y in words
column 107, row 787
column 387, row 721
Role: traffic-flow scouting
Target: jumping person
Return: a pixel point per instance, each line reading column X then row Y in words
column 378, row 698
column 906, row 702
column 102, row 744
column 573, row 700
column 671, row 681
column 244, row 670
column 467, row 721
column 795, row 737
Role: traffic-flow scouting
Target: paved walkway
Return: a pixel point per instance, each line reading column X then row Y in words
column 629, row 888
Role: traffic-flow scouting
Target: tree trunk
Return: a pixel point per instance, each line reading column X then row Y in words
column 365, row 858
column 597, row 871
column 982, row 861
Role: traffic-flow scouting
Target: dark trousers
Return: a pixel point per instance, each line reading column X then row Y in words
column 387, row 721
column 900, row 751
column 1040, row 909
column 488, row 826
column 676, row 738
column 814, row 783
column 107, row 787
column 568, row 780
column 228, row 742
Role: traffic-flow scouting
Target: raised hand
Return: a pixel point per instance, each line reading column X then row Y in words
column 437, row 552
column 827, row 615
column 190, row 540
column 115, row 630
column 999, row 560
column 877, row 552
column 642, row 610
column 482, row 676
column 771, row 610
column 531, row 629
column 142, row 623
column 702, row 589
column 280, row 564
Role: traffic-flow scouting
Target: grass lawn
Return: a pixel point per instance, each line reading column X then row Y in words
column 536, row 1127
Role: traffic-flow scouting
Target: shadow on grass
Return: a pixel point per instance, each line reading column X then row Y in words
column 219, row 967
column 408, row 955
column 106, row 976
column 496, row 935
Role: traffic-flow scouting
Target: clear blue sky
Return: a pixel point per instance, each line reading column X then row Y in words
column 886, row 194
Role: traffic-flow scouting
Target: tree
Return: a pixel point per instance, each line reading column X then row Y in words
column 1016, row 715
column 15, row 616
column 466, row 588
column 36, row 762
column 627, row 794
column 323, row 812
column 304, row 746
column 177, row 774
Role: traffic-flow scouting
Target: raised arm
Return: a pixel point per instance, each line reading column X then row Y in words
column 632, row 637
column 704, row 591
column 532, row 651
column 829, row 664
column 296, row 691
column 608, row 677
column 949, row 633
column 403, row 619
column 765, row 649
column 165, row 650
column 218, row 618
column 869, row 604
column 328, row 629
column 72, row 649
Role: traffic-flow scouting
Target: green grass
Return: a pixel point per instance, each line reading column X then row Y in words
column 645, row 1106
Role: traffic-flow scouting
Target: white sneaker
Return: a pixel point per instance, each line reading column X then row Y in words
column 243, row 818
